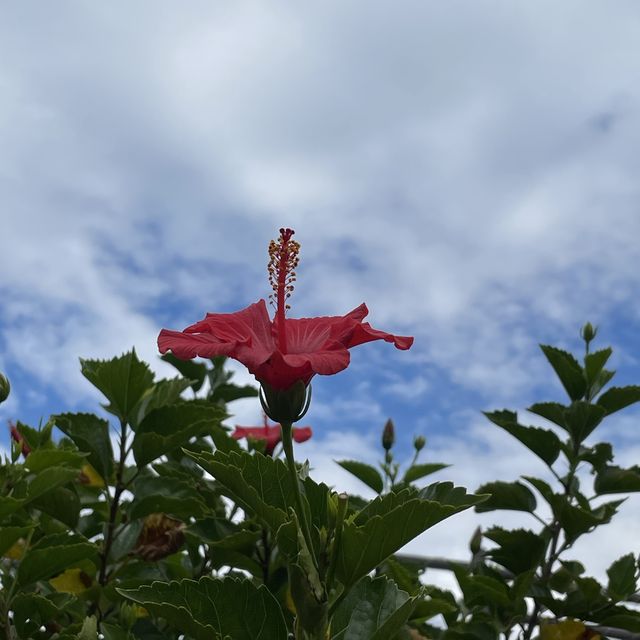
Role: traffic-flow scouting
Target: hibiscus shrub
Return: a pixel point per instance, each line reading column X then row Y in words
column 174, row 529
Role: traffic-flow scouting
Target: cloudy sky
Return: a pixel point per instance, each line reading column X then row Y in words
column 469, row 169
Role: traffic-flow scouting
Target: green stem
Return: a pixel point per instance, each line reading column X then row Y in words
column 343, row 500
column 287, row 445
column 114, row 506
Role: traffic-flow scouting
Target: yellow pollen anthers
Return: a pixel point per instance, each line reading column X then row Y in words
column 283, row 261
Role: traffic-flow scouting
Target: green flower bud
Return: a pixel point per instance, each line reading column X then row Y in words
column 285, row 406
column 476, row 541
column 388, row 435
column 419, row 442
column 5, row 387
column 588, row 332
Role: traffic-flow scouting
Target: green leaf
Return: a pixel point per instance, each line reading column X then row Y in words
column 161, row 394
column 89, row 433
column 48, row 480
column 507, row 495
column 375, row 609
column 166, row 495
column 122, row 380
column 256, row 482
column 214, row 608
column 432, row 606
column 623, row 575
column 621, row 618
column 544, row 443
column 567, row 369
column 196, row 372
column 113, row 632
column 581, row 418
column 598, row 455
column 167, row 428
column 563, row 579
column 583, row 601
column 480, row 590
column 575, row 520
column 9, row 505
column 224, row 442
column 89, row 629
column 317, row 495
column 125, row 538
column 405, row 575
column 596, row 376
column 40, row 564
column 518, row 550
column 544, row 489
column 44, row 458
column 364, row 472
column 617, row 480
column 61, row 503
column 385, row 531
column 417, row 471
column 552, row 411
column 10, row 535
column 31, row 611
column 617, row 398
column 230, row 392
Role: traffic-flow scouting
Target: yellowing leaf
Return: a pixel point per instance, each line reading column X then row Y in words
column 90, row 477
column 567, row 630
column 71, row 581
column 289, row 602
column 16, row 551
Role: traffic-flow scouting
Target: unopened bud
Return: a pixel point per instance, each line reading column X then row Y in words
column 19, row 440
column 419, row 442
column 588, row 332
column 5, row 387
column 476, row 541
column 388, row 435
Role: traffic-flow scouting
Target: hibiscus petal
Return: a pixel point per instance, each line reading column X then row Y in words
column 186, row 346
column 279, row 374
column 244, row 335
column 302, row 434
column 270, row 436
column 325, row 362
column 251, row 324
column 312, row 334
column 366, row 333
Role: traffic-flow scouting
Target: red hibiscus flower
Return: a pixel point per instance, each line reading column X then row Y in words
column 278, row 352
column 271, row 435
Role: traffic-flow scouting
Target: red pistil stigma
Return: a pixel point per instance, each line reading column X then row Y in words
column 283, row 260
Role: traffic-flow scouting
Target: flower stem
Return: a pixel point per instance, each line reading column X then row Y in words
column 287, row 445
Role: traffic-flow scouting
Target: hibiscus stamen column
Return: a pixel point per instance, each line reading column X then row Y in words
column 283, row 260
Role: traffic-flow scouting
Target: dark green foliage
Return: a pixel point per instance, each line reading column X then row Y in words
column 364, row 472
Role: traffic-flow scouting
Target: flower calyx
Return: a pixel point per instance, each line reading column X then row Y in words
column 285, row 406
